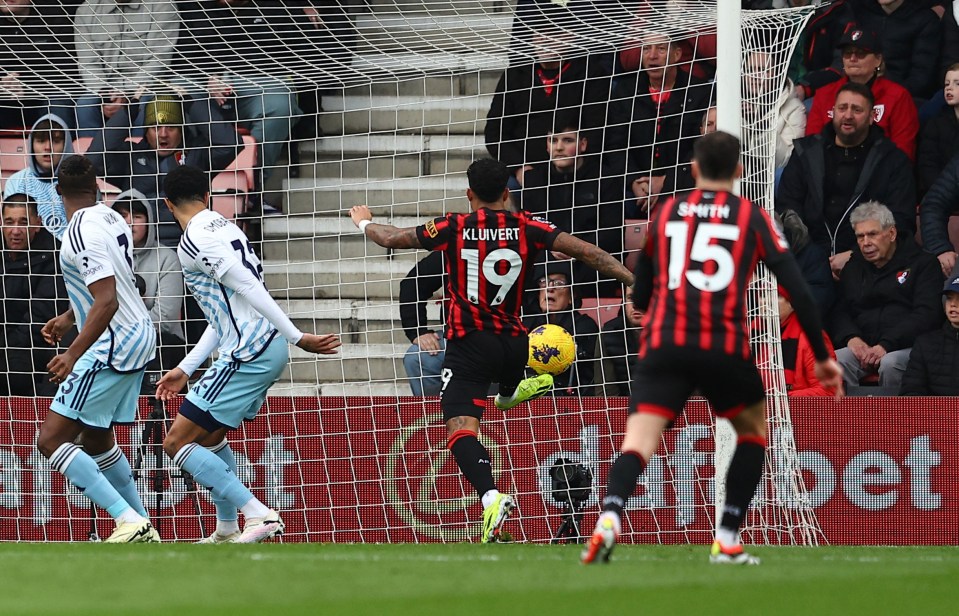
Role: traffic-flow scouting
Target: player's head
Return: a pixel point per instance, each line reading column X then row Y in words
column 487, row 183
column 77, row 180
column 185, row 186
column 21, row 222
column 716, row 158
column 875, row 229
column 852, row 114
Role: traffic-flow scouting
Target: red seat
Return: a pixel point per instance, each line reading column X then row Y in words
column 14, row 155
column 634, row 239
column 601, row 309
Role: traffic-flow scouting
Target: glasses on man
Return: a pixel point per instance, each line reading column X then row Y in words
column 552, row 282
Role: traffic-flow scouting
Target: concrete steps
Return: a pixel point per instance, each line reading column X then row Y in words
column 424, row 196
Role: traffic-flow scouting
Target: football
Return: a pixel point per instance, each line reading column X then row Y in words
column 551, row 349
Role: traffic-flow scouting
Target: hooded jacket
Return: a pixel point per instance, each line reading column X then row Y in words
column 42, row 186
column 159, row 267
column 889, row 305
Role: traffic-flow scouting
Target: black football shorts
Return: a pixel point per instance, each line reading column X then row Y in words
column 475, row 361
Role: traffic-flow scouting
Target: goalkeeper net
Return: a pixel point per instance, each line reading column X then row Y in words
column 300, row 110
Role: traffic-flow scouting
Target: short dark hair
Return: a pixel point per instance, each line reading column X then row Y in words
column 186, row 184
column 487, row 179
column 565, row 123
column 860, row 89
column 21, row 200
column 717, row 155
column 76, row 176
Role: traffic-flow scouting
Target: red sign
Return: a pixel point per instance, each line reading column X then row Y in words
column 376, row 469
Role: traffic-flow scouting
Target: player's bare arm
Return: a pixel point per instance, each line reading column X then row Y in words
column 54, row 329
column 386, row 236
column 322, row 344
column 104, row 306
column 593, row 256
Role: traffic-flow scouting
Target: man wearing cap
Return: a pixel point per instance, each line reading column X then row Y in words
column 178, row 132
column 888, row 296
column 894, row 110
column 934, row 361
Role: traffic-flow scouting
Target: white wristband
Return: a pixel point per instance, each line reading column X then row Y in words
column 362, row 225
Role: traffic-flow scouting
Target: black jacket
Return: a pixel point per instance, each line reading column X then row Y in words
column 40, row 47
column 32, row 293
column 524, row 109
column 933, row 368
column 890, row 305
column 578, row 380
column 940, row 202
column 820, row 58
column 910, row 42
column 643, row 137
column 420, row 283
column 620, row 345
column 886, row 176
column 938, row 144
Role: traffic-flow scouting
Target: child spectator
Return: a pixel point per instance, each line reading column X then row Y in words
column 799, row 363
column 940, row 136
column 934, row 360
column 50, row 142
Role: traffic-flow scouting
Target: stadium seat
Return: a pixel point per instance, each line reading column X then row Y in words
column 14, row 155
column 633, row 240
column 601, row 309
column 82, row 144
column 108, row 192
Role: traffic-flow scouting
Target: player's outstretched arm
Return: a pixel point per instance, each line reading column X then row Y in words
column 322, row 344
column 54, row 329
column 593, row 256
column 386, row 236
column 173, row 382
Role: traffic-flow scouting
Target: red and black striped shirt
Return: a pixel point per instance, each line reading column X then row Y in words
column 702, row 249
column 488, row 256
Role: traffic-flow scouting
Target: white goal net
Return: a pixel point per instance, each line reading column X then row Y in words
column 300, row 110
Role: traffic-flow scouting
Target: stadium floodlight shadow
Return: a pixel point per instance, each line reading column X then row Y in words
column 571, row 484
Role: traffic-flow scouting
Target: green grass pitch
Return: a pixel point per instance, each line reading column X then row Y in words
column 454, row 580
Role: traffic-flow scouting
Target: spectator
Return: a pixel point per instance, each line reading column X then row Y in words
column 889, row 293
column 654, row 118
column 848, row 162
column 159, row 268
column 240, row 50
column 799, row 363
column 759, row 80
column 34, row 46
column 32, row 294
column 50, row 142
column 939, row 141
column 121, row 47
column 941, row 202
column 910, row 34
column 177, row 133
column 934, row 360
column 559, row 307
column 424, row 359
column 620, row 342
column 528, row 98
column 818, row 47
column 812, row 259
column 895, row 112
column 572, row 192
